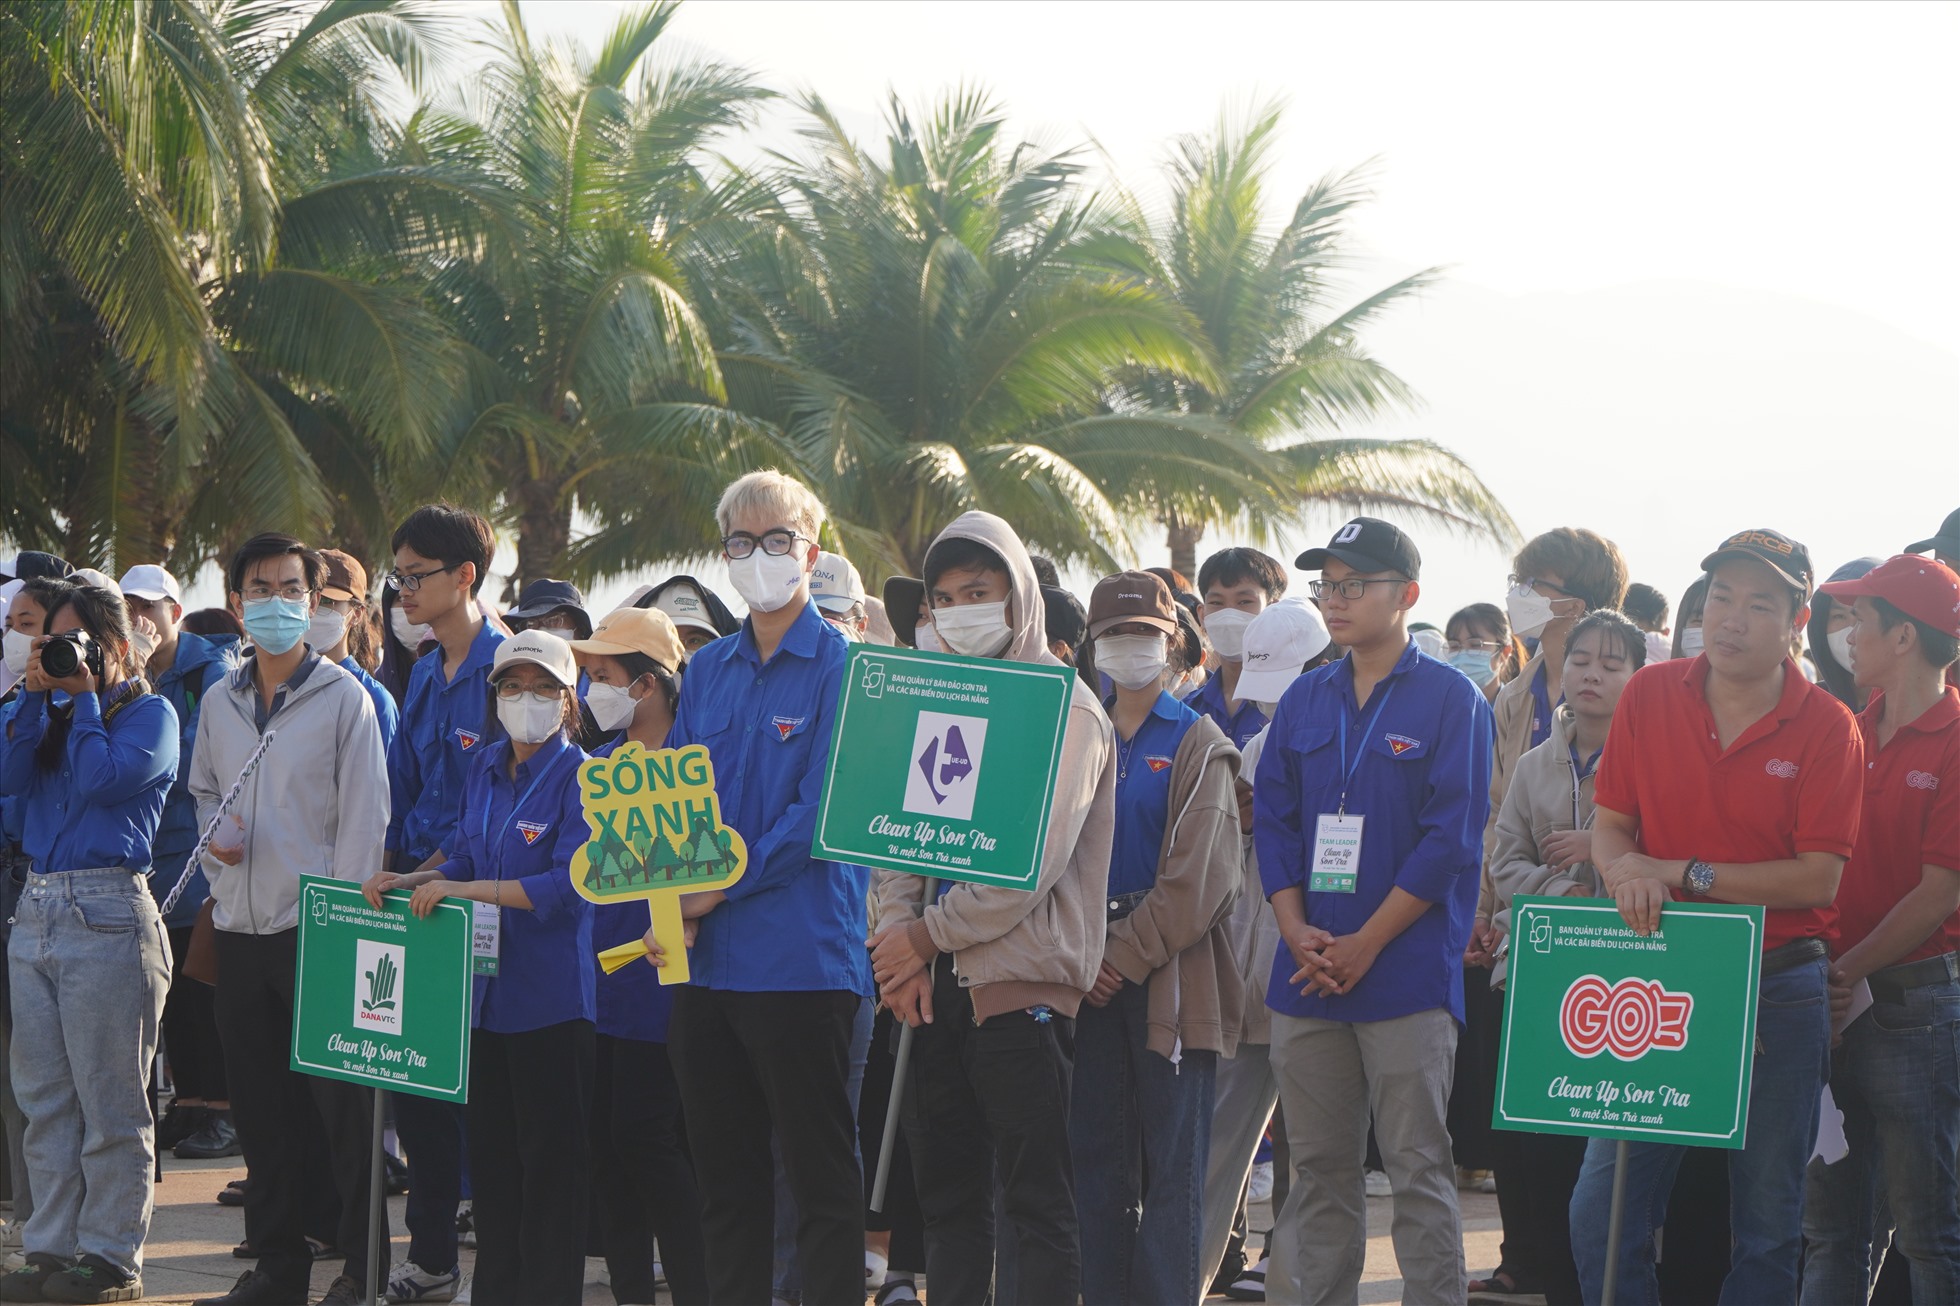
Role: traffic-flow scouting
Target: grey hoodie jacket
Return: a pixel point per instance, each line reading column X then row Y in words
column 1017, row 948
column 316, row 805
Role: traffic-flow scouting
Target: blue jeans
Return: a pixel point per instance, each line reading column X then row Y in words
column 788, row 1282
column 89, row 964
column 1766, row 1177
column 1896, row 1077
column 1133, row 1114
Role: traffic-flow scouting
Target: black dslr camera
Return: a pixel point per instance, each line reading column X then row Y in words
column 63, row 655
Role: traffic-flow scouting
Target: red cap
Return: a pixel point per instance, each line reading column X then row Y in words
column 1919, row 587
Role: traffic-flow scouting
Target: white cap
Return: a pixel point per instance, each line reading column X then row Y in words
column 633, row 600
column 835, row 584
column 101, row 580
column 685, row 606
column 149, row 581
column 541, row 649
column 1279, row 642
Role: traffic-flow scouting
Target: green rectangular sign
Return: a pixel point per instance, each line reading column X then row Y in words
column 1611, row 1035
column 381, row 998
column 943, row 765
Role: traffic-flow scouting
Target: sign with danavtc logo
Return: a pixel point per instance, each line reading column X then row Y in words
column 1611, row 1035
column 943, row 765
column 381, row 998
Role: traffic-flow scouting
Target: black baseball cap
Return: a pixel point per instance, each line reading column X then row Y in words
column 1367, row 544
column 1067, row 621
column 904, row 596
column 1947, row 541
column 32, row 564
column 1783, row 555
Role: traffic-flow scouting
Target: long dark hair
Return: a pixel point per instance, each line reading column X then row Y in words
column 103, row 615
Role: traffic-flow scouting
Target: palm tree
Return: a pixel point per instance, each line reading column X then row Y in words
column 923, row 333
column 1291, row 369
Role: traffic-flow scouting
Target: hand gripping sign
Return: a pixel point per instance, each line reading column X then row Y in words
column 656, row 834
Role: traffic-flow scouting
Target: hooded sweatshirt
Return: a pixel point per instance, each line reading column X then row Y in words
column 316, row 805
column 1546, row 795
column 1019, row 948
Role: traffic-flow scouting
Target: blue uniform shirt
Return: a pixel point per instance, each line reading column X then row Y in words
column 1239, row 726
column 442, row 729
column 791, row 923
column 528, row 830
column 100, row 805
column 198, row 668
column 386, row 714
column 1143, row 793
column 1541, row 707
column 1423, row 783
column 633, row 1003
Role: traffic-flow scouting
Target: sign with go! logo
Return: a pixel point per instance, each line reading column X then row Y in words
column 1608, row 1034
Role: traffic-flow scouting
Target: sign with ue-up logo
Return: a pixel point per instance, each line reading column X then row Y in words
column 1611, row 1035
column 943, row 765
column 381, row 998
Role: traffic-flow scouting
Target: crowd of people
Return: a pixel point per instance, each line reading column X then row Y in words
column 1272, row 917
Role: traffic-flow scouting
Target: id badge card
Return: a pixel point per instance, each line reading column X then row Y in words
column 486, row 935
column 1336, row 853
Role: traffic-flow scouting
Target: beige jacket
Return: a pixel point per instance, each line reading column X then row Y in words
column 1017, row 948
column 1178, row 939
column 1513, row 708
column 1254, row 929
column 1545, row 797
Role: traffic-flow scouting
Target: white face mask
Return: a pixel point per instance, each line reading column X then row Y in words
column 979, row 630
column 1691, row 644
column 531, row 718
column 927, row 639
column 764, row 581
column 1225, row 629
column 18, row 646
column 409, row 634
column 1132, row 661
column 612, row 705
column 328, row 629
column 1840, row 642
column 1266, row 709
column 559, row 631
column 1530, row 611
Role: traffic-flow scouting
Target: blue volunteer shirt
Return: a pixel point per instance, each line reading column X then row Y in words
column 633, row 1003
column 1239, row 726
column 791, row 923
column 1421, row 776
column 386, row 714
column 528, row 830
column 1542, row 707
column 199, row 667
column 101, row 803
column 1143, row 794
column 441, row 731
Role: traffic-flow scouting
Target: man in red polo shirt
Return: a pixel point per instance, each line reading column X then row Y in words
column 1896, row 1075
column 1730, row 777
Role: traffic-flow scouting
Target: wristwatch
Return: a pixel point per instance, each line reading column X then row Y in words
column 1699, row 878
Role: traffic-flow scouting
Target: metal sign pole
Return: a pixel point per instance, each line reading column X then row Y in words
column 900, row 1064
column 1613, row 1216
column 377, row 1201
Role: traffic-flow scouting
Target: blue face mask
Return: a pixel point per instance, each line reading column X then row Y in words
column 275, row 625
column 1474, row 665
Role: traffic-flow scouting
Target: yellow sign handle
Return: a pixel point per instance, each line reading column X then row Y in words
column 665, row 909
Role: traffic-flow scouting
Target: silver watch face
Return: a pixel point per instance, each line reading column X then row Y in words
column 1701, row 877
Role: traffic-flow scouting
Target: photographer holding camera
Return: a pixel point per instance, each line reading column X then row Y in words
column 89, row 754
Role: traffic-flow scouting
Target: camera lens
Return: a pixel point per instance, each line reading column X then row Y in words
column 61, row 657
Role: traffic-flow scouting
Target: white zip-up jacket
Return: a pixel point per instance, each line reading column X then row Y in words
column 316, row 805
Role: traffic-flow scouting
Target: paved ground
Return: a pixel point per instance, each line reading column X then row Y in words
column 192, row 1236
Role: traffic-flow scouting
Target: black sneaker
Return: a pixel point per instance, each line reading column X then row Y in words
column 216, row 1139
column 233, row 1193
column 25, row 1284
column 257, row 1288
column 345, row 1290
column 93, row 1279
column 179, row 1123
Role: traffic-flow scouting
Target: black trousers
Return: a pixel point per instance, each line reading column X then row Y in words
column 190, row 1029
column 272, row 1108
column 530, row 1124
column 983, row 1100
column 642, row 1179
column 1535, row 1176
column 749, row 1064
column 901, row 1214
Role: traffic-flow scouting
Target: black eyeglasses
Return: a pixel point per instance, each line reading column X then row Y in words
column 411, row 581
column 776, row 543
column 1533, row 583
column 1349, row 589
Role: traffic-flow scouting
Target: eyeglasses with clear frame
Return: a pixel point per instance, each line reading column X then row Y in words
column 258, row 592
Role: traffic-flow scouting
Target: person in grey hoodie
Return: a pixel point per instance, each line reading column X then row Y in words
column 317, row 804
column 988, row 1093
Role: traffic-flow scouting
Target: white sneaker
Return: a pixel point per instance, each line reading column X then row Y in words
column 462, row 1297
column 408, row 1282
column 1378, row 1184
column 1260, row 1186
column 10, row 1235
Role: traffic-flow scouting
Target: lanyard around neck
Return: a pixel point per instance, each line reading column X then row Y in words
column 1348, row 768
